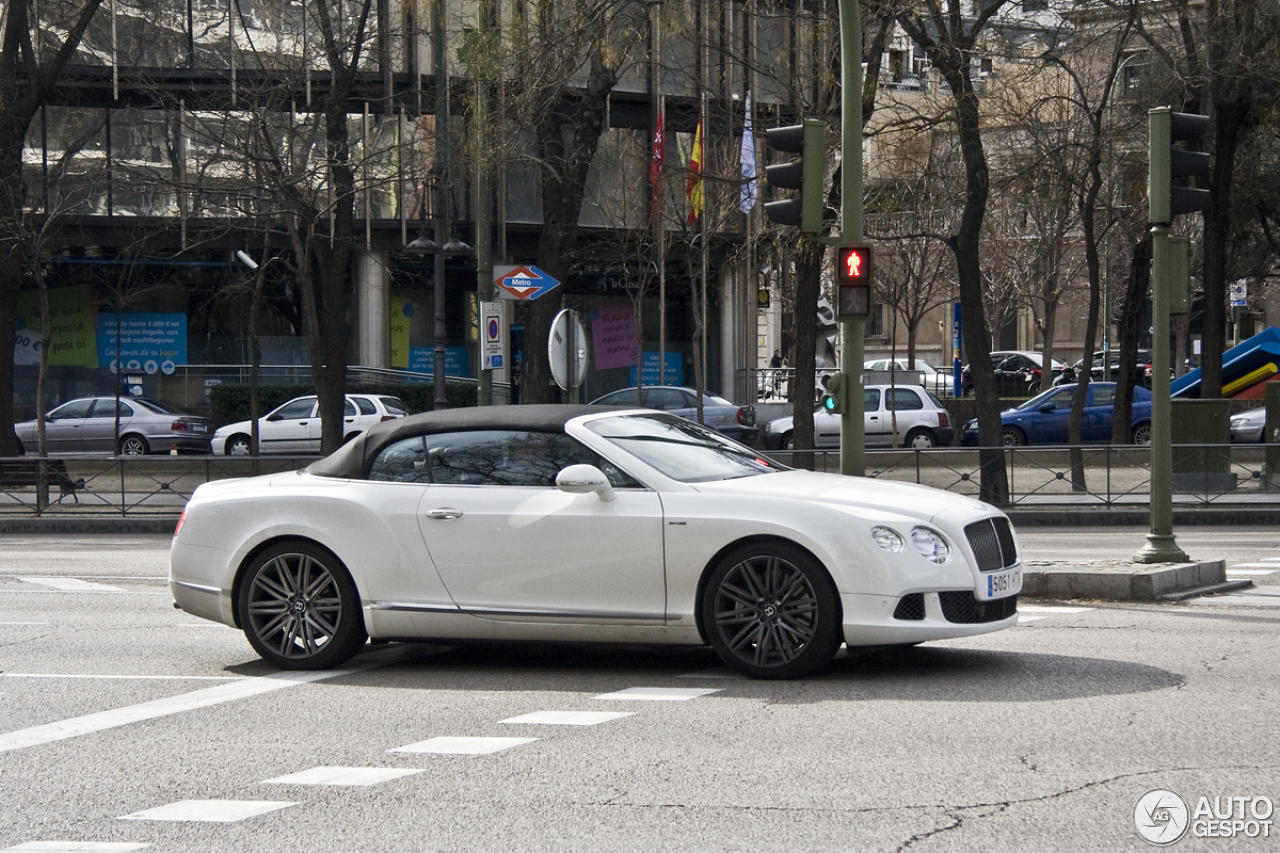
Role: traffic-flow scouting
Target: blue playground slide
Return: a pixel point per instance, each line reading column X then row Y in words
column 1239, row 361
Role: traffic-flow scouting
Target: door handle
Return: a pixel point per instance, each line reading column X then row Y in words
column 445, row 514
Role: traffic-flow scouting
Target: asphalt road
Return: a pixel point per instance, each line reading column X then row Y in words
column 124, row 722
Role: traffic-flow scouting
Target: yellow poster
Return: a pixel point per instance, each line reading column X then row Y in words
column 401, row 311
column 74, row 342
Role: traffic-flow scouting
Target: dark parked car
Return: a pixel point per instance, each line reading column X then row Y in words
column 1043, row 418
column 718, row 413
column 89, row 426
column 1017, row 373
column 1100, row 359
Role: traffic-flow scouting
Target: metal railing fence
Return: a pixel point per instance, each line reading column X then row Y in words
column 1098, row 475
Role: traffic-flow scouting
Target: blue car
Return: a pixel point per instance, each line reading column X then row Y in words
column 1043, row 418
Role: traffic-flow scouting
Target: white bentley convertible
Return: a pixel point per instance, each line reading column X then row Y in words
column 587, row 524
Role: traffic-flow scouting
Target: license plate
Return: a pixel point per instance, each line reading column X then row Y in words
column 1001, row 584
column 199, row 428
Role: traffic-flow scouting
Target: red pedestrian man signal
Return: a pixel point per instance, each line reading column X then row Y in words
column 853, row 282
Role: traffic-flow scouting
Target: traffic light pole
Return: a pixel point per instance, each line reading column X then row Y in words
column 853, row 459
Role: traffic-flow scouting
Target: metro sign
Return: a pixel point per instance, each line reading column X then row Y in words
column 521, row 282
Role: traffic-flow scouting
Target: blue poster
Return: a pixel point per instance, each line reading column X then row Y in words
column 142, row 342
column 672, row 375
column 422, row 360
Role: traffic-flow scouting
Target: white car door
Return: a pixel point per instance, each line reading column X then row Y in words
column 288, row 428
column 509, row 544
column 875, row 418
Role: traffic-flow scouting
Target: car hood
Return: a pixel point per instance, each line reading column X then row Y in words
column 869, row 496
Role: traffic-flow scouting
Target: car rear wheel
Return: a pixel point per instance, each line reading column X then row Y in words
column 1013, row 437
column 237, row 445
column 134, row 445
column 299, row 608
column 788, row 442
column 1142, row 434
column 920, row 439
column 770, row 610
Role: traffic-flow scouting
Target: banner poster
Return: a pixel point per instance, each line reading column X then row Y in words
column 673, row 374
column 72, row 341
column 147, row 342
column 613, row 335
column 401, row 312
column 423, row 360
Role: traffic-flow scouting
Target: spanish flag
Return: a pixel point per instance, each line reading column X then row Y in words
column 693, row 187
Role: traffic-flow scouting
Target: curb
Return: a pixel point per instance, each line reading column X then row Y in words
column 1127, row 581
column 1108, row 517
column 114, row 525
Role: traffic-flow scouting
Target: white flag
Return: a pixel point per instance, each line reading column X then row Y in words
column 747, row 198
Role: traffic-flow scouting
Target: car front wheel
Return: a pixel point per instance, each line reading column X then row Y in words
column 1142, row 434
column 1013, row 437
column 299, row 608
column 770, row 610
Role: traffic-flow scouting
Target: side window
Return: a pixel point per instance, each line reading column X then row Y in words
column 365, row 405
column 1103, row 396
column 349, row 409
column 402, row 462
column 108, row 409
column 1061, row 399
column 905, row 400
column 487, row 458
column 74, row 409
column 665, row 399
column 297, row 409
column 871, row 399
column 625, row 397
column 394, row 406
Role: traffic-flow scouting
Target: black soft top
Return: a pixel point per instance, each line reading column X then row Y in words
column 352, row 460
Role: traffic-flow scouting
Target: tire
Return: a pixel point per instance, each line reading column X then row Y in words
column 920, row 439
column 771, row 611
column 1013, row 437
column 299, row 608
column 237, row 445
column 134, row 445
column 788, row 441
column 1142, row 433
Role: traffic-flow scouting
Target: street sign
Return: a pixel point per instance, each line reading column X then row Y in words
column 1240, row 294
column 567, row 349
column 493, row 340
column 522, row 282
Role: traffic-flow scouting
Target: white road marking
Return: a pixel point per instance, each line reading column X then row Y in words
column 1052, row 608
column 241, row 688
column 71, row 584
column 341, row 776
column 463, row 745
column 210, row 811
column 125, row 677
column 75, row 847
column 566, row 718
column 657, row 694
column 23, row 623
column 1237, row 570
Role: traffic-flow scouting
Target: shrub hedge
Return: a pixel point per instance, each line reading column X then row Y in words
column 229, row 402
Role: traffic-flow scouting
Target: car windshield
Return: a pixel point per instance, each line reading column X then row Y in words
column 682, row 450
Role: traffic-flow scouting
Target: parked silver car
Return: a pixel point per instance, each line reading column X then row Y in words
column 1249, row 426
column 730, row 419
column 88, row 425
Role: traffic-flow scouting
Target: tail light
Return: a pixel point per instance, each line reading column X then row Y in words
column 387, row 418
column 182, row 519
column 179, row 426
column 943, row 420
column 746, row 416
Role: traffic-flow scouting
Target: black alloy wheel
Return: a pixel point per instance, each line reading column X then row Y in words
column 299, row 608
column 770, row 610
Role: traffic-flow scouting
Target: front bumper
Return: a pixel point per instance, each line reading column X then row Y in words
column 878, row 620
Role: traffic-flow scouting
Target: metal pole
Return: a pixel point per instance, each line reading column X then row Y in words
column 1161, row 545
column 440, row 208
column 852, row 332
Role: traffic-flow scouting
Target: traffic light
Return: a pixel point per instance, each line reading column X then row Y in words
column 1164, row 200
column 833, row 392
column 1180, row 250
column 853, row 282
column 808, row 175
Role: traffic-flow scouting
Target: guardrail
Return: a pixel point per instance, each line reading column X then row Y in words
column 1098, row 476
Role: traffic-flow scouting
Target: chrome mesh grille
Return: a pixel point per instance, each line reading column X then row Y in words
column 992, row 543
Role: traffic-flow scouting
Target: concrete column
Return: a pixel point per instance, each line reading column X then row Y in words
column 373, row 301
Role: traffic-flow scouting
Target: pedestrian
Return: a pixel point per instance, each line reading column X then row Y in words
column 777, row 360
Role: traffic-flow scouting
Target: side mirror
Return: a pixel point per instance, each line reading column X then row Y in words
column 272, row 418
column 580, row 479
column 1048, row 407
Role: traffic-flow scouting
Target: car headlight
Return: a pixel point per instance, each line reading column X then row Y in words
column 887, row 539
column 930, row 544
